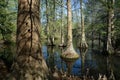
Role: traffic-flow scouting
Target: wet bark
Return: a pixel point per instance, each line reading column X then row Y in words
column 29, row 63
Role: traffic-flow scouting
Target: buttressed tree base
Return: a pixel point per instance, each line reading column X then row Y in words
column 70, row 52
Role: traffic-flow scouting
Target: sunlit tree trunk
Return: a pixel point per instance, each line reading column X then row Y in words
column 69, row 23
column 70, row 52
column 110, row 33
column 83, row 43
column 29, row 62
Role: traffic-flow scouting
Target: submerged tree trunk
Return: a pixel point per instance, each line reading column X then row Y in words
column 110, row 48
column 70, row 53
column 29, row 62
column 83, row 43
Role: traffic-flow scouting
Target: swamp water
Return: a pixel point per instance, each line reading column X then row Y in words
column 92, row 60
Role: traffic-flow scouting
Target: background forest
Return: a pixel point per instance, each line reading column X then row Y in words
column 54, row 20
column 95, row 25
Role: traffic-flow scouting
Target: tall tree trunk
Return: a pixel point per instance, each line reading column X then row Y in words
column 54, row 20
column 110, row 48
column 83, row 43
column 51, row 19
column 47, row 25
column 29, row 62
column 69, row 24
column 70, row 53
column 61, row 30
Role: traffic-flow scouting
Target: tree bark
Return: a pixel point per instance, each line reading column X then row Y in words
column 61, row 27
column 48, row 21
column 110, row 48
column 69, row 53
column 69, row 23
column 83, row 43
column 29, row 62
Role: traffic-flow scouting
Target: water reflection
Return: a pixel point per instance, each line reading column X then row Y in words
column 110, row 66
column 50, row 59
column 90, row 60
column 63, row 67
column 52, row 56
column 69, row 65
column 83, row 58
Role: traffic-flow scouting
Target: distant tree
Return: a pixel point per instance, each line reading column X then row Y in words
column 61, row 26
column 83, row 43
column 29, row 63
column 110, row 31
column 117, row 24
column 51, row 21
column 47, row 22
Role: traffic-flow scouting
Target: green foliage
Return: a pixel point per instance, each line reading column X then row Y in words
column 7, row 22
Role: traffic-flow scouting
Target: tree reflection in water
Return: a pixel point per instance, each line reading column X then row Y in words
column 83, row 57
column 92, row 62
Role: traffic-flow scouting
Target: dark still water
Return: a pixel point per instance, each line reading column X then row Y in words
column 90, row 60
